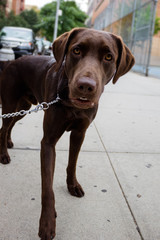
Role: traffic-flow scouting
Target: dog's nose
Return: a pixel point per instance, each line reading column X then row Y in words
column 86, row 85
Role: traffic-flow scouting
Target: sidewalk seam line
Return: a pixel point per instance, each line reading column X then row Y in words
column 95, row 151
column 134, row 219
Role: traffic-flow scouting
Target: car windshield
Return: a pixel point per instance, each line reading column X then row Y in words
column 17, row 33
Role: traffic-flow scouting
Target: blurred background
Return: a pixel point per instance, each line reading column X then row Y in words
column 28, row 26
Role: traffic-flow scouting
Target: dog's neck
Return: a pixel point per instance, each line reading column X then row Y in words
column 62, row 84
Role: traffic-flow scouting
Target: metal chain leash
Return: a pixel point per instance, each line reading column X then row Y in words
column 39, row 107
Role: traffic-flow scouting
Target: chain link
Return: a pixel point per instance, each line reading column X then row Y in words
column 39, row 107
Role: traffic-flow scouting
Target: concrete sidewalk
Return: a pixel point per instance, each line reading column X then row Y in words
column 118, row 167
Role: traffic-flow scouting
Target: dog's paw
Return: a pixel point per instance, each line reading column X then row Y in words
column 76, row 190
column 4, row 158
column 9, row 143
column 47, row 227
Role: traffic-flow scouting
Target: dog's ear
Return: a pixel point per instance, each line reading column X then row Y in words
column 125, row 59
column 60, row 45
column 59, row 48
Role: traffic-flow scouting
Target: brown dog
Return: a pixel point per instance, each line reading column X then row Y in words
column 86, row 60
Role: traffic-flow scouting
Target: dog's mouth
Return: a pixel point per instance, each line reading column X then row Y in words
column 82, row 102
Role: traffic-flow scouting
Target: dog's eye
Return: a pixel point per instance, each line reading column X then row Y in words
column 76, row 51
column 108, row 57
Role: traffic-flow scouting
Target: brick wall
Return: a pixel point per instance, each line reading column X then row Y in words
column 18, row 6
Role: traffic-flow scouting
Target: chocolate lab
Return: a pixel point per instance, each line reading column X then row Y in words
column 86, row 60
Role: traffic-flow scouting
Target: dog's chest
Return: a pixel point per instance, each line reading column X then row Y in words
column 78, row 119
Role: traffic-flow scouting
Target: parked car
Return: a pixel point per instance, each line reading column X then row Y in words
column 47, row 47
column 21, row 40
column 40, row 45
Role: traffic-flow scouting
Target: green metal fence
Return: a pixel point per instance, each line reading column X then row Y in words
column 134, row 21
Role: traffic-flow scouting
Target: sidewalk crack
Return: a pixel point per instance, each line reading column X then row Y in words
column 118, row 181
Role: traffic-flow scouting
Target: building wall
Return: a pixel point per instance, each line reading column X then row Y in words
column 95, row 8
column 99, row 6
column 133, row 21
column 8, row 6
column 158, row 8
column 90, row 12
column 15, row 5
column 18, row 6
column 155, row 53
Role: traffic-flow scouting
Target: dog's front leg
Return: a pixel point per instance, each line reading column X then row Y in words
column 48, row 214
column 76, row 140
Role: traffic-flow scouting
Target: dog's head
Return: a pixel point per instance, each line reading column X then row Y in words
column 92, row 59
